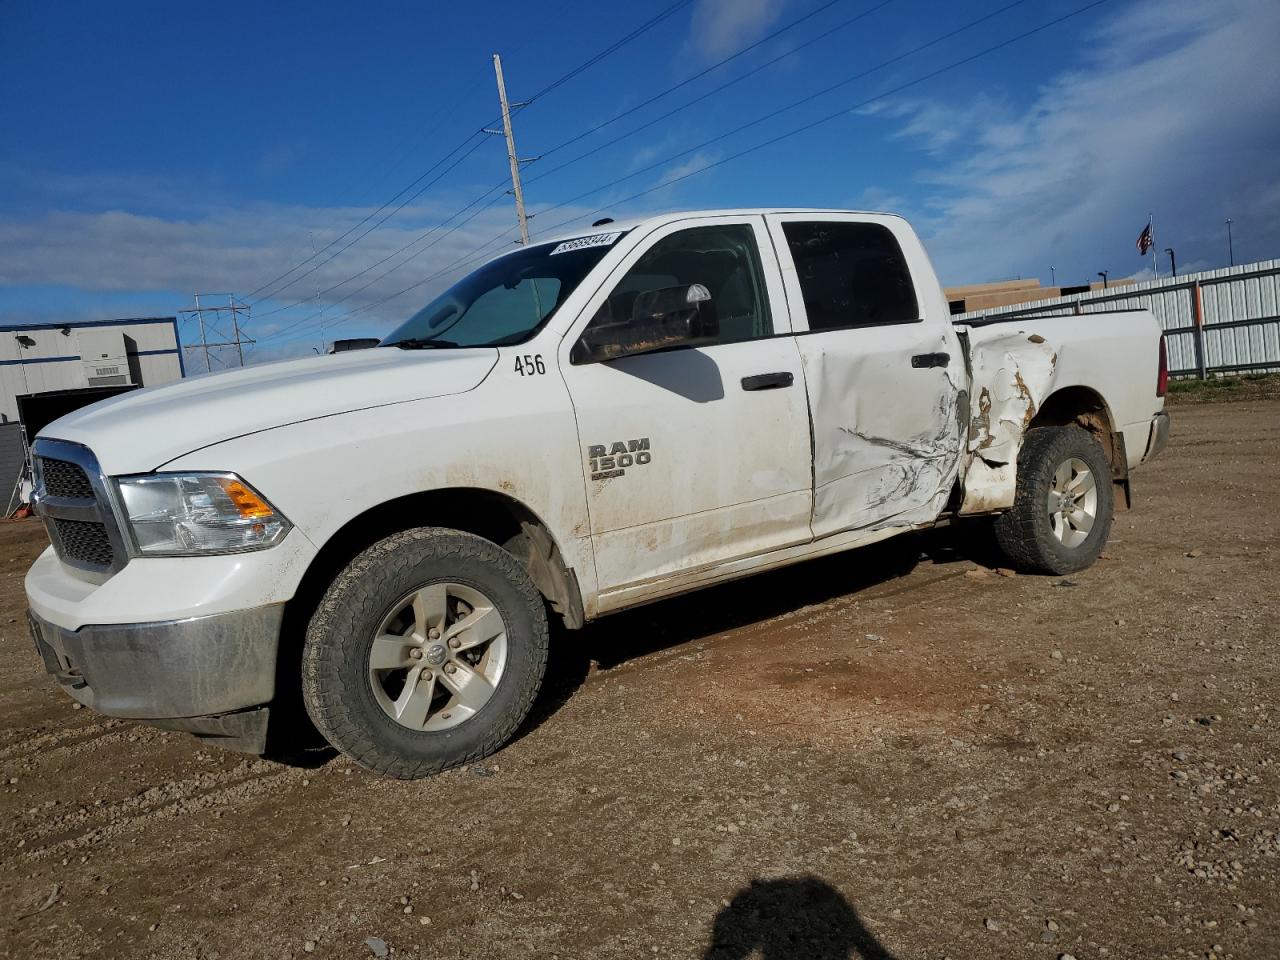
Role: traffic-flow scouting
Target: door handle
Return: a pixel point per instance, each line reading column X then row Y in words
column 930, row 360
column 768, row 381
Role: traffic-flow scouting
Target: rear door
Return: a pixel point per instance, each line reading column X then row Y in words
column 697, row 454
column 881, row 380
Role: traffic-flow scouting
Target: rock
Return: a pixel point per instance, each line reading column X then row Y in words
column 1066, row 956
column 991, row 924
column 1056, row 655
column 1066, row 583
column 377, row 945
column 1195, row 553
column 1005, row 572
column 1047, row 936
column 976, row 574
column 874, row 638
column 309, row 947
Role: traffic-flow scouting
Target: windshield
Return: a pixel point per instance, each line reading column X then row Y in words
column 507, row 300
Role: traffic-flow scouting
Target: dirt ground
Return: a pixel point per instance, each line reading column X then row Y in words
column 893, row 753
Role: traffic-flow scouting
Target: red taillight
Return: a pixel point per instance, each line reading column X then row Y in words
column 1162, row 378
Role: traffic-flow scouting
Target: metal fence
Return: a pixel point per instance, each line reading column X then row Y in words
column 1217, row 321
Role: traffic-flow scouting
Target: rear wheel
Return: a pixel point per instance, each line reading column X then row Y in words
column 1063, row 506
column 426, row 652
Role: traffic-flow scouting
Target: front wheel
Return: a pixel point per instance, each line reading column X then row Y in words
column 426, row 652
column 1063, row 506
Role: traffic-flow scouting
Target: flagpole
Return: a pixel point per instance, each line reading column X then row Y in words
column 1155, row 257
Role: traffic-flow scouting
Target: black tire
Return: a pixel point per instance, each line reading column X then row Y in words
column 335, row 680
column 1025, row 532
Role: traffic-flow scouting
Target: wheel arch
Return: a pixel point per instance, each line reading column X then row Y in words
column 1085, row 407
column 491, row 514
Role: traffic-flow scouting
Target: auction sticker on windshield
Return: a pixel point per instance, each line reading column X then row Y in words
column 598, row 240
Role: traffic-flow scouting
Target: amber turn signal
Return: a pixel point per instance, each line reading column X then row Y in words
column 250, row 505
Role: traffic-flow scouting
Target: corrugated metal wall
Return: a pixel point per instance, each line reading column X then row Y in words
column 1238, row 312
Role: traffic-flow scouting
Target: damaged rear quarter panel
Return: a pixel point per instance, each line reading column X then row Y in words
column 1017, row 366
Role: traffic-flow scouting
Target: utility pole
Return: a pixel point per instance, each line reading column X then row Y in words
column 1173, row 262
column 1231, row 250
column 512, row 157
column 210, row 319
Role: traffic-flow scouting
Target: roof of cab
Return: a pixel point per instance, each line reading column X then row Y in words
column 630, row 223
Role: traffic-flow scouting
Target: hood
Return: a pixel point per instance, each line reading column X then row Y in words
column 138, row 431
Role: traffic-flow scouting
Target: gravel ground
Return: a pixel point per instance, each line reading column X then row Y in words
column 893, row 753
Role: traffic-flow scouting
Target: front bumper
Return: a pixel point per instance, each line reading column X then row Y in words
column 209, row 675
column 1159, row 437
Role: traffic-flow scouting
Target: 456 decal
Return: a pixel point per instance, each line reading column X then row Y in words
column 530, row 364
column 612, row 460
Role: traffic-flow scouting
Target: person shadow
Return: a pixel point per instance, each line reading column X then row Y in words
column 795, row 918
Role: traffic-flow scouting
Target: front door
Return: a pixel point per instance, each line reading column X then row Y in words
column 691, row 410
column 882, row 383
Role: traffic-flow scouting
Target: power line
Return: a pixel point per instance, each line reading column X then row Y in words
column 710, row 93
column 377, row 263
column 559, row 81
column 611, row 49
column 404, row 203
column 711, row 69
column 653, row 99
column 805, row 127
column 448, row 105
column 844, row 111
column 306, row 320
column 474, row 134
column 820, row 93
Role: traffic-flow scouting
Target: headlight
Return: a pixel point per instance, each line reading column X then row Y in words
column 190, row 514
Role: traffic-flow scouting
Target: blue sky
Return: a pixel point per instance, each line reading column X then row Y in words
column 152, row 150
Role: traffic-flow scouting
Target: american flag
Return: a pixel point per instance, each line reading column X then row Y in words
column 1145, row 240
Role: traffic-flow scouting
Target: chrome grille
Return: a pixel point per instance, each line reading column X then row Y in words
column 85, row 543
column 74, row 500
column 65, row 479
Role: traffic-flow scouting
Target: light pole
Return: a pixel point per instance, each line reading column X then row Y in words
column 1053, row 277
column 1173, row 263
column 1103, row 275
column 1231, row 251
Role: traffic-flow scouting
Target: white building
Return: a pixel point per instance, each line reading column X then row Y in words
column 48, row 369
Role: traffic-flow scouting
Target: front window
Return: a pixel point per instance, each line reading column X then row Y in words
column 507, row 300
column 697, row 287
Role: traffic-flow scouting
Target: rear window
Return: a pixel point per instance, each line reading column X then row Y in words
column 851, row 274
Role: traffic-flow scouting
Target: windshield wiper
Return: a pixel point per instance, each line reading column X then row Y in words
column 422, row 343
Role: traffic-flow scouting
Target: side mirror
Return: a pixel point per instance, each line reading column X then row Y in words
column 666, row 317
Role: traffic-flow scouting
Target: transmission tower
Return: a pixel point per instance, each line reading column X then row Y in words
column 212, row 320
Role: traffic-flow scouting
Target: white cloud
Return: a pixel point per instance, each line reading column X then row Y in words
column 719, row 27
column 117, row 261
column 1174, row 110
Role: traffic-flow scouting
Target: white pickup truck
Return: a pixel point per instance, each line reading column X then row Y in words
column 577, row 427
